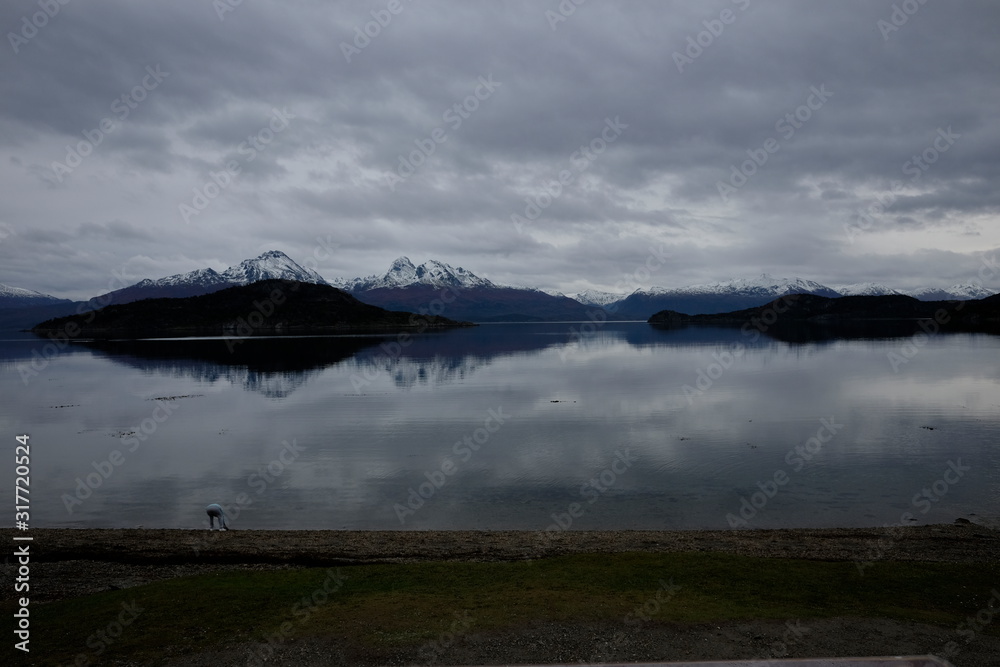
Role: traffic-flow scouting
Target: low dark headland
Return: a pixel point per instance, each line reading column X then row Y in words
column 267, row 307
column 799, row 309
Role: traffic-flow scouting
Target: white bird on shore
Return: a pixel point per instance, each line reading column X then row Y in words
column 216, row 512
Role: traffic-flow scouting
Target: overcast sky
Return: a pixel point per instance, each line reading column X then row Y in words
column 348, row 148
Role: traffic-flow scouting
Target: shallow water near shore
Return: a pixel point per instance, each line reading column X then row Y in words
column 510, row 426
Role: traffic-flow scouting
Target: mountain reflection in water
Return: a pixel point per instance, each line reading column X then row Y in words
column 704, row 415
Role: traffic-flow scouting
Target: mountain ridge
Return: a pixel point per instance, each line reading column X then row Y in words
column 19, row 297
column 817, row 309
column 437, row 285
column 270, row 265
column 403, row 273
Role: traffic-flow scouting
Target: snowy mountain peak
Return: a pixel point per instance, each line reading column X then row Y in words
column 592, row 297
column 199, row 277
column 403, row 273
column 960, row 292
column 764, row 285
column 273, row 264
column 866, row 289
column 18, row 296
column 439, row 273
column 270, row 265
column 7, row 290
column 970, row 291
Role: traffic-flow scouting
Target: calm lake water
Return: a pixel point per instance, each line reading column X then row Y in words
column 509, row 426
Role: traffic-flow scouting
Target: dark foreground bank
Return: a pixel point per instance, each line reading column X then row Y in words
column 462, row 597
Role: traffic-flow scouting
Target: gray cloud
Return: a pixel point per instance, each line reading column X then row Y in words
column 655, row 186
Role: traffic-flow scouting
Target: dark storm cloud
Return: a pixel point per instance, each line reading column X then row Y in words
column 426, row 135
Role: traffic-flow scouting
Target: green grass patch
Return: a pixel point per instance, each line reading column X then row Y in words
column 407, row 605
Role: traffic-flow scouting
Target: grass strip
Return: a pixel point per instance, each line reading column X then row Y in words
column 408, row 604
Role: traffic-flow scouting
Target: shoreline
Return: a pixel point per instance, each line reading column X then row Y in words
column 962, row 542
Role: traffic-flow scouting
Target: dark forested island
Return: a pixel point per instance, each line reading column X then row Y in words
column 847, row 311
column 267, row 307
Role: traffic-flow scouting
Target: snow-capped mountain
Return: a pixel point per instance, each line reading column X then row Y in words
column 403, row 273
column 406, row 286
column 21, row 308
column 593, row 297
column 960, row 292
column 458, row 293
column 764, row 285
column 18, row 297
column 865, row 289
column 720, row 297
column 195, row 279
column 741, row 293
column 273, row 264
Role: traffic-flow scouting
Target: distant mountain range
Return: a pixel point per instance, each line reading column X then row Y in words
column 272, row 265
column 17, row 297
column 439, row 288
column 403, row 273
column 742, row 293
